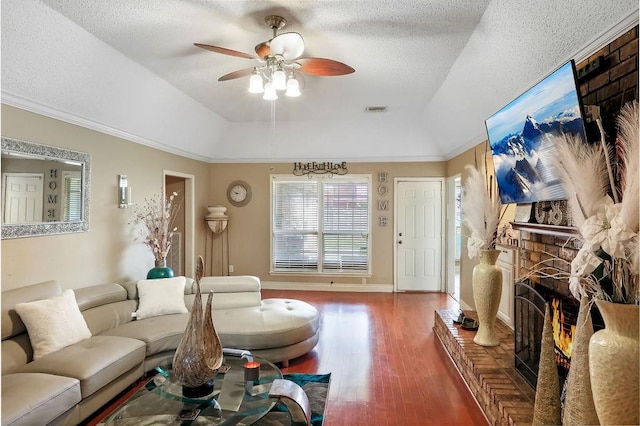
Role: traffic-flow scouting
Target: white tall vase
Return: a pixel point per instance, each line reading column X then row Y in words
column 487, row 289
column 614, row 365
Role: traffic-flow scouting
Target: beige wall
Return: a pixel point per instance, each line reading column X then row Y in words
column 248, row 229
column 108, row 252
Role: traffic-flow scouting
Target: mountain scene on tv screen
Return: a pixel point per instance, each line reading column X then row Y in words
column 522, row 159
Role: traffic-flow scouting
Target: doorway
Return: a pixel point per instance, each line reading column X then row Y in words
column 181, row 257
column 22, row 199
column 418, row 234
column 454, row 235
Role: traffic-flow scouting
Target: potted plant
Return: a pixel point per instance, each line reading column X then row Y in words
column 155, row 221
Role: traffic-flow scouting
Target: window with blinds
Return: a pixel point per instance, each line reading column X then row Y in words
column 321, row 225
column 72, row 193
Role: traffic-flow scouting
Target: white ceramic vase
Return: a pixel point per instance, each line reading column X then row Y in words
column 217, row 212
column 487, row 289
column 614, row 365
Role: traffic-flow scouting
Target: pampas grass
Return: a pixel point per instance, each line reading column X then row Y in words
column 583, row 172
column 587, row 175
column 481, row 212
column 628, row 163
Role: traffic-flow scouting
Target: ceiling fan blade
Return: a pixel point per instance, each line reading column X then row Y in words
column 323, row 67
column 236, row 74
column 224, row 51
column 263, row 50
column 289, row 45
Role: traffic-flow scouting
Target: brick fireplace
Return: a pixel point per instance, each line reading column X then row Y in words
column 551, row 248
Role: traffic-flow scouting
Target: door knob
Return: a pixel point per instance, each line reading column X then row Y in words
column 400, row 234
column 400, row 242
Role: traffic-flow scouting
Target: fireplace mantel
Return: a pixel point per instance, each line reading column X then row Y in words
column 556, row 231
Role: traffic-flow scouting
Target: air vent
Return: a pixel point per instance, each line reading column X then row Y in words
column 376, row 109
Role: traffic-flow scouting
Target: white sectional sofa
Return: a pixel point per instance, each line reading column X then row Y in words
column 69, row 384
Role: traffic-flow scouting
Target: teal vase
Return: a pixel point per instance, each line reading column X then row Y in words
column 161, row 270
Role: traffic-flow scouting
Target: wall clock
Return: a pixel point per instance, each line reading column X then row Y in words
column 239, row 193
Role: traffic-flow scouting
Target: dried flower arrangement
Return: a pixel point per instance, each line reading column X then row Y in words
column 481, row 212
column 606, row 211
column 155, row 221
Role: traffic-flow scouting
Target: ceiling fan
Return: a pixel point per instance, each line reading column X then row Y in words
column 278, row 62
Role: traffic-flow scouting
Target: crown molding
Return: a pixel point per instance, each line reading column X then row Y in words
column 35, row 107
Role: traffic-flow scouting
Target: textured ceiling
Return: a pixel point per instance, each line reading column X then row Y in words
column 401, row 50
column 438, row 65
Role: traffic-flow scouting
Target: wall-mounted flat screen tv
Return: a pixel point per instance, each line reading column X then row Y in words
column 521, row 136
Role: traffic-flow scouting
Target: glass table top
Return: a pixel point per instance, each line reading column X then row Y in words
column 232, row 401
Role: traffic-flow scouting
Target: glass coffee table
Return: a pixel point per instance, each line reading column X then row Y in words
column 235, row 399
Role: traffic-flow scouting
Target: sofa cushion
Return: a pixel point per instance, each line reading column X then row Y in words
column 230, row 284
column 161, row 333
column 105, row 317
column 12, row 325
column 96, row 362
column 161, row 297
column 53, row 323
column 99, row 295
column 37, row 399
column 240, row 291
column 275, row 323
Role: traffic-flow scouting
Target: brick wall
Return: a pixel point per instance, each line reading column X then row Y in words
column 615, row 82
column 554, row 251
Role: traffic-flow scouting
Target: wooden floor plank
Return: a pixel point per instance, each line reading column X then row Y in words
column 386, row 366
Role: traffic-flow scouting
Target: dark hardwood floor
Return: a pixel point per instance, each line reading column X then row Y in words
column 387, row 366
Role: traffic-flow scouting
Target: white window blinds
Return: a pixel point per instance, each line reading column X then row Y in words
column 72, row 196
column 321, row 225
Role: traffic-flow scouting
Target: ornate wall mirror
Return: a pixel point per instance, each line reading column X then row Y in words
column 45, row 190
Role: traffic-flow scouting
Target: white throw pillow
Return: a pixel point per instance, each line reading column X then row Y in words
column 161, row 297
column 53, row 323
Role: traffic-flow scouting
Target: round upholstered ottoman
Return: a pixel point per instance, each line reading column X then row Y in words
column 277, row 329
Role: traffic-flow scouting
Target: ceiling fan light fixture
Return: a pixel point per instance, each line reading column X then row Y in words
column 293, row 87
column 279, row 79
column 255, row 83
column 269, row 92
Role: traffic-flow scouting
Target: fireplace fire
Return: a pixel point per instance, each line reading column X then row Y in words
column 528, row 323
column 563, row 332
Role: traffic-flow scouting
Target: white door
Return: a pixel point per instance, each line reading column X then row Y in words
column 23, row 197
column 419, row 235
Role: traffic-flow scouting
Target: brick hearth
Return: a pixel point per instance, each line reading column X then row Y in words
column 489, row 372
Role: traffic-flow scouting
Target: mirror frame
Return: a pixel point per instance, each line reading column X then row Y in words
column 51, row 153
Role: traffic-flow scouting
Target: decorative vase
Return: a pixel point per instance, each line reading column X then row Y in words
column 199, row 354
column 487, row 289
column 161, row 270
column 217, row 212
column 578, row 406
column 614, row 365
column 546, row 408
column 212, row 344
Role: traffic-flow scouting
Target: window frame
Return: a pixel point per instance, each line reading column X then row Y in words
column 363, row 178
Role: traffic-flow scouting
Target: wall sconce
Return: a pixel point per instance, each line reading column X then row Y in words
column 216, row 219
column 124, row 192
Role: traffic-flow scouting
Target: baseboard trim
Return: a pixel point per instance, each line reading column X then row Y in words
column 464, row 306
column 359, row 288
column 505, row 319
